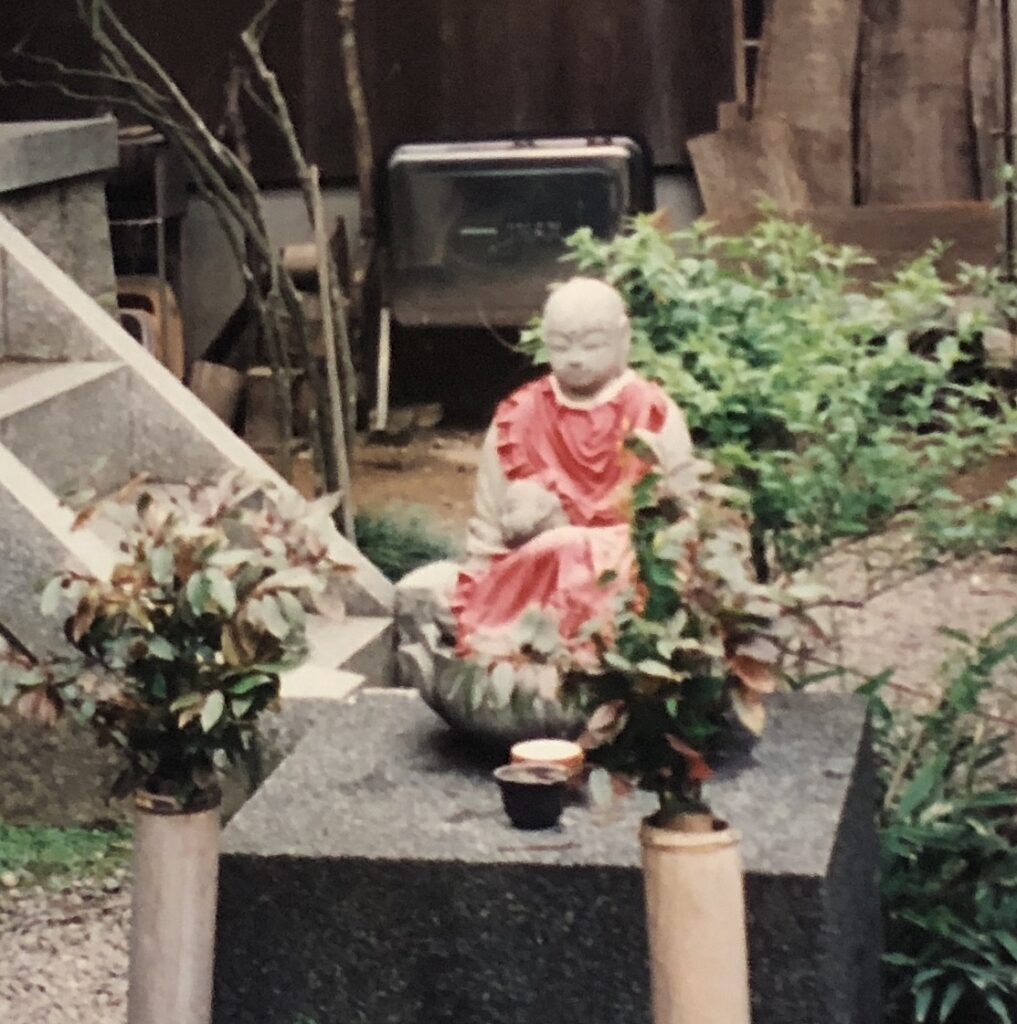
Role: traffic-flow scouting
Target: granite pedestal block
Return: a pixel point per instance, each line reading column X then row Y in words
column 374, row 879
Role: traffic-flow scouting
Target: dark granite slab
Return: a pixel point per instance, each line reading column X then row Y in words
column 374, row 878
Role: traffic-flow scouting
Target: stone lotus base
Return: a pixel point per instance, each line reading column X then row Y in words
column 466, row 696
column 374, row 878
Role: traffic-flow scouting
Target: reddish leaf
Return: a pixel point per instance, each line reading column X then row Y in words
column 124, row 575
column 185, row 561
column 756, row 675
column 130, row 488
column 84, row 516
column 699, row 770
column 84, row 616
column 604, row 724
column 39, row 705
column 622, row 785
column 748, row 706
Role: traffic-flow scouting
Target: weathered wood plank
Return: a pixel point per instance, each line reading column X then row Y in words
column 806, row 75
column 746, row 162
column 893, row 235
column 916, row 136
column 730, row 116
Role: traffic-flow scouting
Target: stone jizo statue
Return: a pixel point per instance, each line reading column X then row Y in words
column 548, row 551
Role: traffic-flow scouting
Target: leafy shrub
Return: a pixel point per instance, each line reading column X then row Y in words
column 694, row 647
column 949, row 848
column 991, row 285
column 179, row 649
column 400, row 540
column 811, row 391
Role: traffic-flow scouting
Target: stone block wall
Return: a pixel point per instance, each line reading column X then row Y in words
column 52, row 190
column 67, row 221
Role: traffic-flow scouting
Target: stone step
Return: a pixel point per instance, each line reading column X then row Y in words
column 158, row 424
column 314, row 682
column 26, row 383
column 364, row 644
column 75, row 386
column 65, row 421
column 36, row 540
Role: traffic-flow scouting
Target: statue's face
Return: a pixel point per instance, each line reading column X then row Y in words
column 584, row 359
column 586, row 331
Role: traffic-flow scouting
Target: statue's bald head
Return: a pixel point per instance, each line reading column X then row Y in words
column 584, row 303
column 587, row 332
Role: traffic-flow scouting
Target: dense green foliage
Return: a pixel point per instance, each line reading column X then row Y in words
column 400, row 540
column 178, row 650
column 949, row 847
column 836, row 407
column 57, row 855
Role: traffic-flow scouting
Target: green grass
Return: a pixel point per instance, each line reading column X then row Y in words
column 55, row 855
column 402, row 538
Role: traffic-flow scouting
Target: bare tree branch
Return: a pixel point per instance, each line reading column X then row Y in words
column 283, row 121
column 129, row 78
column 347, row 14
column 325, row 273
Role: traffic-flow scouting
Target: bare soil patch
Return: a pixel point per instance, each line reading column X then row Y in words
column 434, row 470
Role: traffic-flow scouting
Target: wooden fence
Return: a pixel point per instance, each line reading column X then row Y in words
column 434, row 69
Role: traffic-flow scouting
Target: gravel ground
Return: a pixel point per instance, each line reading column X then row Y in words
column 63, row 955
column 900, row 627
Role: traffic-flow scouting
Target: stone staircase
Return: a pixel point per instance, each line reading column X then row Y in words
column 82, row 402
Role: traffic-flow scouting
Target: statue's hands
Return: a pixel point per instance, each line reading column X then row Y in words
column 682, row 472
column 529, row 509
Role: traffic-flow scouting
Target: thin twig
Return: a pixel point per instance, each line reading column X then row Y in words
column 233, row 127
column 340, row 453
column 218, row 173
column 364, row 149
column 251, row 40
column 903, row 688
column 279, row 113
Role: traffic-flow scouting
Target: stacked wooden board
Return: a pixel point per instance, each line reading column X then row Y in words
column 864, row 102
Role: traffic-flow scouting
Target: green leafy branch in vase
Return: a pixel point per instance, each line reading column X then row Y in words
column 695, row 646
column 176, row 652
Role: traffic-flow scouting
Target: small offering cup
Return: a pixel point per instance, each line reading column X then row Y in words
column 533, row 794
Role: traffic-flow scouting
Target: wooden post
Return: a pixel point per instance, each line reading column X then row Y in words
column 384, row 370
column 1009, row 199
column 176, row 873
column 741, row 96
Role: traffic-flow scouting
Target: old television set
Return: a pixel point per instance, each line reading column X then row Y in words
column 476, row 230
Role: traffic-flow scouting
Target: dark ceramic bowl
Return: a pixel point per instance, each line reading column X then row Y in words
column 533, row 794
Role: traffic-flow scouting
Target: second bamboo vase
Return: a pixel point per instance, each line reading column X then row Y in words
column 695, row 916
